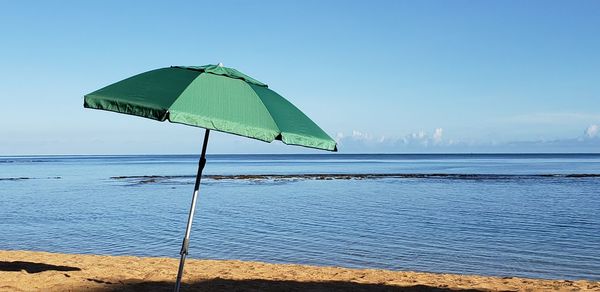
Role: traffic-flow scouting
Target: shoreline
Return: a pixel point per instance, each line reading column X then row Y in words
column 43, row 271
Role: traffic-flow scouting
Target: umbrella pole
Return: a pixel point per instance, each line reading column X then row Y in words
column 186, row 239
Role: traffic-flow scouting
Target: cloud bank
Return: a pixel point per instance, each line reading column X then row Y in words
column 435, row 142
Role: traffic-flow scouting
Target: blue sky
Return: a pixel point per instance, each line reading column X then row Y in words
column 379, row 76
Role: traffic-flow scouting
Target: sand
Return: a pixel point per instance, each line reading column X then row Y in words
column 41, row 271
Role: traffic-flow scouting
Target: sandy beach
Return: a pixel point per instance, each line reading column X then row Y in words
column 42, row 271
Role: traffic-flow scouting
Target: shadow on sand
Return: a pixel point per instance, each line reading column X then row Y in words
column 31, row 267
column 268, row 286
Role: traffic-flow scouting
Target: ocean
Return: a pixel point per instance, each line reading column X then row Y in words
column 526, row 215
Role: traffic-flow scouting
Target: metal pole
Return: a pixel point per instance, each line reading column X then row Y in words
column 186, row 239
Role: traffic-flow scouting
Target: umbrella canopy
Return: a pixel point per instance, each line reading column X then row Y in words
column 215, row 98
column 212, row 97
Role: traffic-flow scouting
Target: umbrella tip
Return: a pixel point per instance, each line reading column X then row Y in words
column 220, row 64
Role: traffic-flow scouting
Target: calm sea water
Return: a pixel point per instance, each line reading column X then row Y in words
column 512, row 215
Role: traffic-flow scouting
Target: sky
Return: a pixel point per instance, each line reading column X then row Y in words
column 377, row 76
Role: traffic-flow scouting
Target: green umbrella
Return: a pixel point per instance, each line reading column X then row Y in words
column 215, row 98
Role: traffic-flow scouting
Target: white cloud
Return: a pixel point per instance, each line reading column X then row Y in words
column 358, row 135
column 422, row 138
column 437, row 135
column 593, row 131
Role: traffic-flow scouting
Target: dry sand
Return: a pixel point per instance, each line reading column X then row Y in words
column 41, row 271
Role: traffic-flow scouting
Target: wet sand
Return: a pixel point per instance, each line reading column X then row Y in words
column 41, row 271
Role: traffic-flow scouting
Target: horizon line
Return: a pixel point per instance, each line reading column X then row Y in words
column 331, row 154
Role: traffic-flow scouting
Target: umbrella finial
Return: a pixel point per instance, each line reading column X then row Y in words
column 220, row 64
